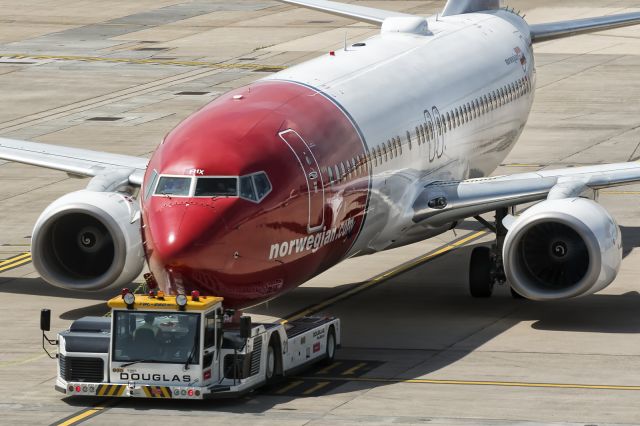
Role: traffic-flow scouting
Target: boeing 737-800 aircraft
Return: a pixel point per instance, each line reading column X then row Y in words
column 360, row 150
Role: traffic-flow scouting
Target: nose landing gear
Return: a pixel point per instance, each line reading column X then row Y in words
column 486, row 268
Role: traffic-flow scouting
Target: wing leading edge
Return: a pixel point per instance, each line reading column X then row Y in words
column 358, row 13
column 77, row 161
column 446, row 202
column 553, row 30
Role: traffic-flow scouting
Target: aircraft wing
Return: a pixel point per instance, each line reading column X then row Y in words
column 550, row 31
column 445, row 202
column 76, row 161
column 358, row 13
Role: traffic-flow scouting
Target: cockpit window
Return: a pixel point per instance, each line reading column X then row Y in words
column 255, row 187
column 217, row 187
column 247, row 190
column 171, row 185
column 263, row 187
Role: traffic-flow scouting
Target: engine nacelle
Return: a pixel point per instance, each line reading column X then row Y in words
column 564, row 248
column 89, row 240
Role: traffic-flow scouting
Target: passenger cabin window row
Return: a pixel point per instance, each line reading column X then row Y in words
column 430, row 131
column 484, row 104
column 344, row 170
column 254, row 187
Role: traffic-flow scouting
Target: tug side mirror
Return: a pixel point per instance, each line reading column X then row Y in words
column 245, row 327
column 45, row 325
column 45, row 319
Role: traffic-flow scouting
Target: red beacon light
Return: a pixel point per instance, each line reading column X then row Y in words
column 332, row 53
column 195, row 295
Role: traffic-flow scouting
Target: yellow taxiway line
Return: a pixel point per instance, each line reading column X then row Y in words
column 385, row 276
column 15, row 261
column 81, row 416
column 475, row 383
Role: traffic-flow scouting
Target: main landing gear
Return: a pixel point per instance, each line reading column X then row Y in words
column 486, row 268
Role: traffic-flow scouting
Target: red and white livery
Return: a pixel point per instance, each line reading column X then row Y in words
column 381, row 144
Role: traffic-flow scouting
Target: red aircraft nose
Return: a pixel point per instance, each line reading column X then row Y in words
column 179, row 230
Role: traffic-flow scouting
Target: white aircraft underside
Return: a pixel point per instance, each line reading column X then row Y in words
column 438, row 103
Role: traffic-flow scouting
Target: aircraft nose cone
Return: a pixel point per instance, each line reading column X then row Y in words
column 180, row 230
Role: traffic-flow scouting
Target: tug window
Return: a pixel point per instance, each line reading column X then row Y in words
column 176, row 186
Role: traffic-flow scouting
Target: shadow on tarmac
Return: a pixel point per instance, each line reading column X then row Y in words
column 426, row 310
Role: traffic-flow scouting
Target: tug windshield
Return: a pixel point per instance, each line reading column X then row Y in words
column 166, row 337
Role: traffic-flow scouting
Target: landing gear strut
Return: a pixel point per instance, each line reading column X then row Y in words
column 486, row 267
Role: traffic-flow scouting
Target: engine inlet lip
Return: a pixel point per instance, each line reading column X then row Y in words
column 515, row 275
column 55, row 278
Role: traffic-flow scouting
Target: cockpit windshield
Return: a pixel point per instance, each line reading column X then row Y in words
column 217, row 187
column 253, row 187
column 173, row 185
column 167, row 337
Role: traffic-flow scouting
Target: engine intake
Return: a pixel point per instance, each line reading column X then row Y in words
column 88, row 240
column 563, row 248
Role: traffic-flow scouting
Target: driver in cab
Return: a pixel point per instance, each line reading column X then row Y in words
column 148, row 331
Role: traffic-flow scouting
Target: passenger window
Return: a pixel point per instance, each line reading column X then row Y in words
column 335, row 169
column 330, row 173
column 355, row 168
column 178, row 186
column 448, row 121
column 399, row 143
column 153, row 178
column 343, row 171
column 216, row 187
column 409, row 140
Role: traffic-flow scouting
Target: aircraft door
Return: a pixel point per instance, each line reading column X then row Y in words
column 312, row 174
column 432, row 134
column 439, row 132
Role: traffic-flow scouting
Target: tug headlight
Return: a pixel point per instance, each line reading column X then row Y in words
column 181, row 300
column 129, row 299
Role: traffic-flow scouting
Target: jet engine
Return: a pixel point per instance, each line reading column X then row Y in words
column 88, row 240
column 562, row 248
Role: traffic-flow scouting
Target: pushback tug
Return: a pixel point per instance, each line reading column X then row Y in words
column 162, row 346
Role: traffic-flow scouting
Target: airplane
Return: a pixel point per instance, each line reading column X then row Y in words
column 364, row 149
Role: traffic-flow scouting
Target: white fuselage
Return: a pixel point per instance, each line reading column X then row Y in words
column 476, row 71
